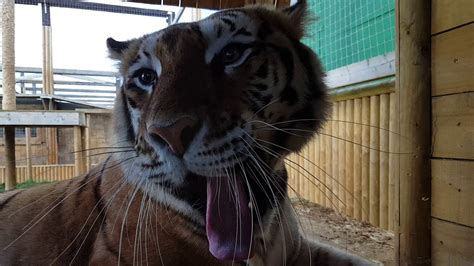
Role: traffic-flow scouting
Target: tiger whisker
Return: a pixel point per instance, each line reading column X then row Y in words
column 334, row 179
column 263, row 108
column 43, row 216
column 134, row 193
column 288, row 131
column 264, row 175
column 93, row 223
column 92, row 177
column 279, row 156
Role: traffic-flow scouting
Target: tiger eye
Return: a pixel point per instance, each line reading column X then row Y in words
column 147, row 77
column 231, row 54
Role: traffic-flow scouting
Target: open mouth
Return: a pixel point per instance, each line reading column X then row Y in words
column 229, row 226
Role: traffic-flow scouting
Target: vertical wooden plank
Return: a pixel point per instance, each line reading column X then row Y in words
column 349, row 174
column 365, row 161
column 374, row 170
column 413, row 90
column 322, row 164
column 78, row 150
column 310, row 184
column 29, row 167
column 357, row 172
column 316, row 164
column 393, row 172
column 88, row 141
column 341, row 149
column 384, row 147
column 335, row 156
column 328, row 164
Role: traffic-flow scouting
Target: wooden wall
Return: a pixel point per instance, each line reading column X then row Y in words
column 346, row 167
column 452, row 164
column 42, row 173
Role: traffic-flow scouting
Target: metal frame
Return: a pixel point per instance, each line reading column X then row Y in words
column 169, row 15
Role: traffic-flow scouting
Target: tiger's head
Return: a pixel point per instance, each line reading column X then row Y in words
column 211, row 109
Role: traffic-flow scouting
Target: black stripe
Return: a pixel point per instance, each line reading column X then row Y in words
column 259, row 86
column 128, row 122
column 264, row 31
column 230, row 23
column 5, row 202
column 262, row 71
column 242, row 31
column 219, row 31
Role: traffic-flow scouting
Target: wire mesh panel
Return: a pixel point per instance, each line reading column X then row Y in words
column 346, row 32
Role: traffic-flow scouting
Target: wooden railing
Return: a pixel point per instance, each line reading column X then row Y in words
column 42, row 173
column 348, row 166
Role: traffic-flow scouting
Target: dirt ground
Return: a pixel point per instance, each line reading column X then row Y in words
column 332, row 228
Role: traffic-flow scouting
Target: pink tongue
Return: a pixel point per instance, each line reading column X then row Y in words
column 228, row 219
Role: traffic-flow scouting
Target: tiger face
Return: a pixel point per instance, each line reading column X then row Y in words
column 211, row 109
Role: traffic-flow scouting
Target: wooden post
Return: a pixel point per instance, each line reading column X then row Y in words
column 349, row 158
column 414, row 97
column 8, row 85
column 365, row 158
column 384, row 147
column 357, row 159
column 47, row 51
column 29, row 167
column 79, row 160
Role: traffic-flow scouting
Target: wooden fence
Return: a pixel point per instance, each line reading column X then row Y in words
column 42, row 173
column 347, row 167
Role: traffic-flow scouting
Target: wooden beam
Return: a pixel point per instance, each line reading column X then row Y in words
column 453, row 126
column 448, row 14
column 452, row 243
column 452, row 187
column 42, row 118
column 453, row 61
column 414, row 98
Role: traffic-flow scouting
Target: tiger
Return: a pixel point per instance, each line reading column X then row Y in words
column 206, row 114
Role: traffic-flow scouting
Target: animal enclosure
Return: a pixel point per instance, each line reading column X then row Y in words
column 397, row 150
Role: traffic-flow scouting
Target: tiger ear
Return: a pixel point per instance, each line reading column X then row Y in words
column 116, row 48
column 298, row 15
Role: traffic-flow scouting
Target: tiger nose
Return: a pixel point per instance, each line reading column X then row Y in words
column 178, row 135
